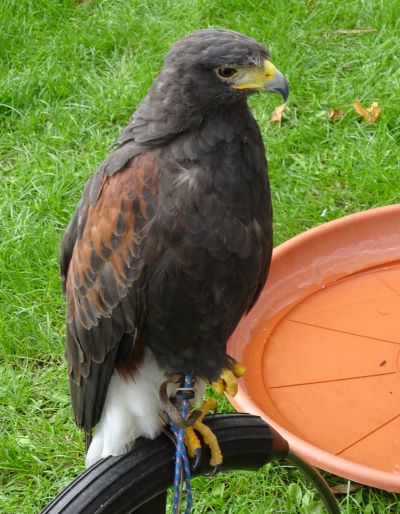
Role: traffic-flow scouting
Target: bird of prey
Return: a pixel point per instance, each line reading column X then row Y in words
column 171, row 242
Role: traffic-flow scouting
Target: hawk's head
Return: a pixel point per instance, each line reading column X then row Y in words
column 203, row 73
column 214, row 65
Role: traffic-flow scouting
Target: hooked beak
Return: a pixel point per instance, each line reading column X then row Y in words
column 276, row 82
column 263, row 78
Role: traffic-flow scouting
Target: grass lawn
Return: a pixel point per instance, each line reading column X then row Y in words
column 71, row 73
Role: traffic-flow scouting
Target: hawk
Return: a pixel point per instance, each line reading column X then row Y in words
column 171, row 242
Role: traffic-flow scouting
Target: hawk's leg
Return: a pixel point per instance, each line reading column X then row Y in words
column 227, row 383
column 192, row 441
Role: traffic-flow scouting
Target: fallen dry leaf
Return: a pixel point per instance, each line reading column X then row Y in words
column 344, row 488
column 335, row 114
column 374, row 110
column 277, row 114
column 370, row 114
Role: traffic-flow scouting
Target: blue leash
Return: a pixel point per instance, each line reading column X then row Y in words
column 181, row 459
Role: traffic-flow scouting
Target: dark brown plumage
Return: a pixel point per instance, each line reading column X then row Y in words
column 171, row 242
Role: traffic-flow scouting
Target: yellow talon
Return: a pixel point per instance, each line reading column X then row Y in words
column 208, row 405
column 192, row 441
column 238, row 369
column 218, row 385
column 227, row 382
column 211, row 441
column 229, row 379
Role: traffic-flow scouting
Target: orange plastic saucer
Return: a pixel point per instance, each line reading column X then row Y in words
column 322, row 347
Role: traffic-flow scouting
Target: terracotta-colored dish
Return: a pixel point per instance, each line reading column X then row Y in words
column 322, row 347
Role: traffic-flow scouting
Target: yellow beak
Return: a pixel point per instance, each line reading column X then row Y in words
column 267, row 78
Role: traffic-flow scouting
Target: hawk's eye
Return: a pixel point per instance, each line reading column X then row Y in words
column 226, row 73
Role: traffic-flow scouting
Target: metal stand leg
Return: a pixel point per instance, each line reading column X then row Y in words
column 318, row 480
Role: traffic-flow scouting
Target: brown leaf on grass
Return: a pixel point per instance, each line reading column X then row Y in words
column 335, row 114
column 277, row 114
column 370, row 114
column 345, row 488
column 345, row 32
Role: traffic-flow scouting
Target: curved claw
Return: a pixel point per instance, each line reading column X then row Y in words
column 196, row 461
column 212, row 473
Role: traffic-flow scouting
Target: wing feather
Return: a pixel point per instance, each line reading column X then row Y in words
column 102, row 280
